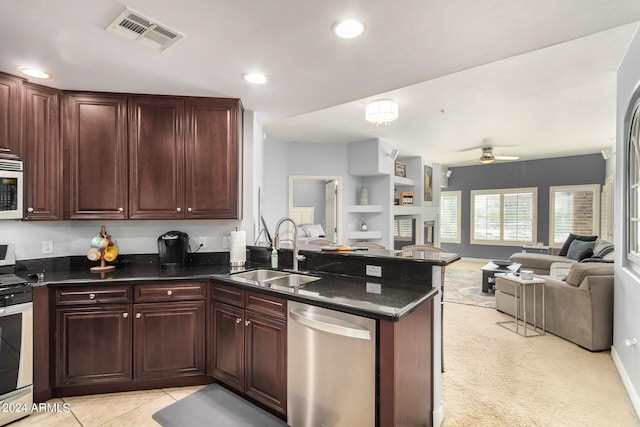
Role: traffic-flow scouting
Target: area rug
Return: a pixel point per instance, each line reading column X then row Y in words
column 215, row 406
column 464, row 286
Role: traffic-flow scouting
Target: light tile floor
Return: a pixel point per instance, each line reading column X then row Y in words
column 133, row 408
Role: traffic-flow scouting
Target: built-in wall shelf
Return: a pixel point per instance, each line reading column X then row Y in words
column 399, row 180
column 364, row 208
column 407, row 210
column 359, row 235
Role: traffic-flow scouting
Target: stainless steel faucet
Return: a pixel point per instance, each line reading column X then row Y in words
column 296, row 248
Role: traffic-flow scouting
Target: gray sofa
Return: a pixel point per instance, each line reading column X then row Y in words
column 542, row 263
column 579, row 298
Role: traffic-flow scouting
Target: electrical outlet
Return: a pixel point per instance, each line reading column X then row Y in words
column 47, row 246
column 374, row 270
column 202, row 242
column 226, row 243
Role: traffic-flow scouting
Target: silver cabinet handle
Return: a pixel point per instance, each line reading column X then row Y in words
column 138, row 315
column 92, row 296
column 178, row 209
column 247, row 323
column 125, row 315
column 169, row 292
column 329, row 324
column 120, row 209
column 189, row 210
column 29, row 210
column 238, row 320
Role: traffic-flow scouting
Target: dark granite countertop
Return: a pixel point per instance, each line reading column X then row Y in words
column 342, row 286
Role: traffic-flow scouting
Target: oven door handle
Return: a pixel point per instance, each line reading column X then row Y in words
column 15, row 309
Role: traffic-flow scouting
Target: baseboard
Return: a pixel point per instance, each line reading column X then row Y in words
column 626, row 381
column 438, row 415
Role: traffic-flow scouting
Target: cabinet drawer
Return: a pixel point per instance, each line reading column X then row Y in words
column 266, row 304
column 93, row 295
column 159, row 292
column 228, row 294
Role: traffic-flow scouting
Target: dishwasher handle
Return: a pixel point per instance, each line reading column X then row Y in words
column 330, row 325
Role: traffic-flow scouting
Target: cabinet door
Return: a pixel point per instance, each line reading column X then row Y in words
column 266, row 360
column 156, row 158
column 212, row 163
column 42, row 153
column 169, row 340
column 94, row 344
column 10, row 98
column 96, row 136
column 228, row 345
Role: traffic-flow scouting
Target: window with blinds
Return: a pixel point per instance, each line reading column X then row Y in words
column 573, row 209
column 504, row 217
column 450, row 210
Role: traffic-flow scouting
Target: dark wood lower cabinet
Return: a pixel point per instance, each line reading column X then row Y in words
column 249, row 347
column 169, row 339
column 266, row 361
column 228, row 345
column 106, row 346
column 94, row 344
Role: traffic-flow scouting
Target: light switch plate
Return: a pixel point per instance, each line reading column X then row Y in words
column 47, row 247
column 373, row 270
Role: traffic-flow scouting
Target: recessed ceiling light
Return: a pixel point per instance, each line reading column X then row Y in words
column 255, row 78
column 32, row 72
column 348, row 29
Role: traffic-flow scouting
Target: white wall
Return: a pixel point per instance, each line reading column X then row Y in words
column 138, row 236
column 626, row 321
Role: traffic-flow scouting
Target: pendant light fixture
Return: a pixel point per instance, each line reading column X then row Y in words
column 381, row 111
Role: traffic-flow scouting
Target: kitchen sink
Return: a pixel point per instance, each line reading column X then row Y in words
column 292, row 280
column 259, row 275
column 264, row 277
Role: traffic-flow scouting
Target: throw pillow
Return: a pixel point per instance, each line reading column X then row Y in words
column 578, row 248
column 571, row 238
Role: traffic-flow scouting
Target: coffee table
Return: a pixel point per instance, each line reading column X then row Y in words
column 490, row 269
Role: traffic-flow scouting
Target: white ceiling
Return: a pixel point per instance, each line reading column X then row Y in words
column 533, row 78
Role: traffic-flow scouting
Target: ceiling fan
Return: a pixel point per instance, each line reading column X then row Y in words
column 487, row 156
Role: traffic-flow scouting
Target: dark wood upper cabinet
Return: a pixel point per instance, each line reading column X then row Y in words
column 212, row 158
column 42, row 153
column 184, row 158
column 95, row 134
column 10, row 100
column 156, row 157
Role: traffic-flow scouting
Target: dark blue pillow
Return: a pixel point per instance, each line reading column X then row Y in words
column 571, row 238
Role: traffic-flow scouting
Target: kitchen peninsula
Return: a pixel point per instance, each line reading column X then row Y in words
column 141, row 327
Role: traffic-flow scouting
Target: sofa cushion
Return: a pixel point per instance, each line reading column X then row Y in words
column 579, row 271
column 602, row 248
column 571, row 238
column 539, row 263
column 580, row 249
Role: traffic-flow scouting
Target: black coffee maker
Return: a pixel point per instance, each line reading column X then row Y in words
column 172, row 249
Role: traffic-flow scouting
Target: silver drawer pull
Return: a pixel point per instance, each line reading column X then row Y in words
column 125, row 315
column 178, row 209
column 30, row 210
column 238, row 320
column 169, row 292
column 92, row 296
column 120, row 209
column 247, row 323
column 189, row 210
column 138, row 315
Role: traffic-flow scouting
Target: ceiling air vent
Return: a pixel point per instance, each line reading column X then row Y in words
column 134, row 26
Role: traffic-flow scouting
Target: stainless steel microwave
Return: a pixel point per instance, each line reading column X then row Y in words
column 11, row 189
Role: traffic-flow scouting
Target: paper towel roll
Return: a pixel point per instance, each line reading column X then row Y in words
column 238, row 245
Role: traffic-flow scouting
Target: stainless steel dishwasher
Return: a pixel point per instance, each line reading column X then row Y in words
column 331, row 368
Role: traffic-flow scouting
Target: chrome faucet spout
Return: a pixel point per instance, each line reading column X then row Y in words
column 296, row 248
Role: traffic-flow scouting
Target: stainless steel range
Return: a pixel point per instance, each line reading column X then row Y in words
column 16, row 348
